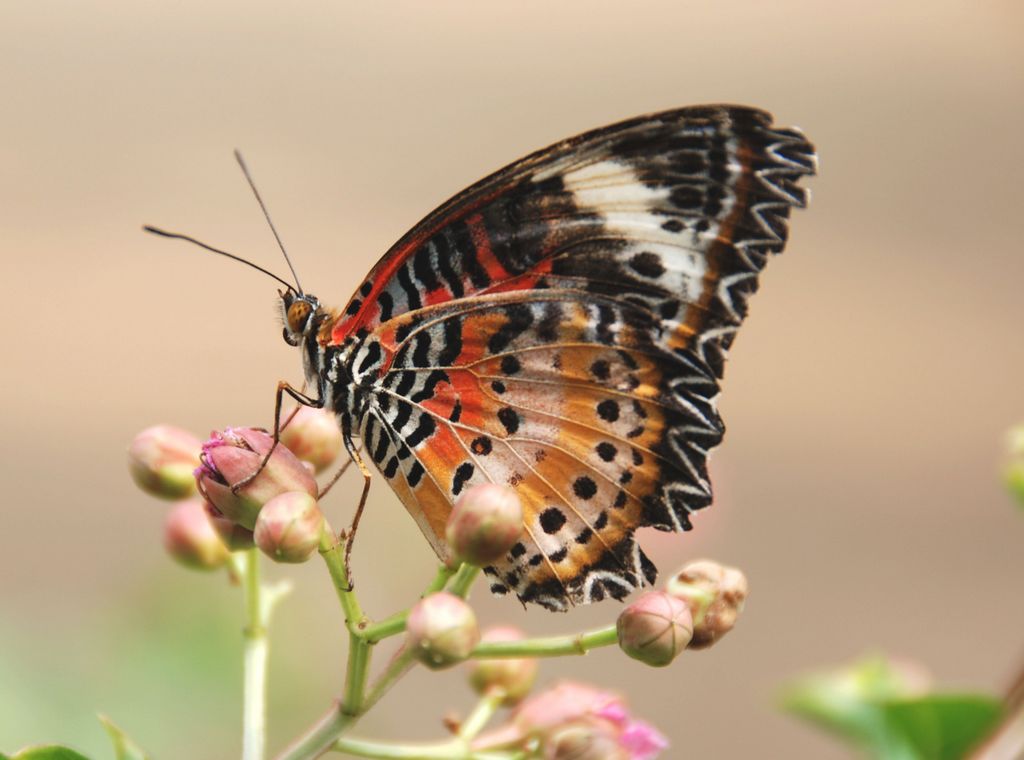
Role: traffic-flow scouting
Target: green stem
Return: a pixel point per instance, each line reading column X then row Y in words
column 444, row 573
column 463, row 580
column 395, row 624
column 389, row 626
column 321, row 737
column 451, row 750
column 254, row 710
column 333, row 552
column 401, row 663
column 481, row 715
column 549, row 646
column 362, row 636
column 356, row 675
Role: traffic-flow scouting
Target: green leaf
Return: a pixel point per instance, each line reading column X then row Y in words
column 124, row 747
column 48, row 752
column 845, row 702
column 942, row 726
column 872, row 705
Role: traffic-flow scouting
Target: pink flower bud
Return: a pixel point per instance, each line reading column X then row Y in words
column 485, row 523
column 513, row 677
column 189, row 537
column 313, row 436
column 578, row 722
column 442, row 630
column 234, row 536
column 161, row 460
column 715, row 594
column 231, row 456
column 289, row 526
column 655, row 628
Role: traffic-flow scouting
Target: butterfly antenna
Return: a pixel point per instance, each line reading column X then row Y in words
column 266, row 214
column 164, row 233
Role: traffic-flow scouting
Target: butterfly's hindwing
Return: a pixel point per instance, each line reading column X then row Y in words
column 561, row 327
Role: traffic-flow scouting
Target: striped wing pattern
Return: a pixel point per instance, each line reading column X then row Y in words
column 561, row 327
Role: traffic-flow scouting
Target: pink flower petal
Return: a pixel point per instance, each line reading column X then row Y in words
column 643, row 740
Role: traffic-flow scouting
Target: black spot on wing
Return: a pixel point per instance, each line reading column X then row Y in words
column 462, row 473
column 552, row 520
column 509, row 419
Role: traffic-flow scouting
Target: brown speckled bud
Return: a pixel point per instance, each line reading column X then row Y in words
column 161, row 460
column 715, row 594
column 288, row 527
column 655, row 628
column 313, row 436
column 513, row 677
column 442, row 630
column 485, row 523
column 231, row 456
column 189, row 537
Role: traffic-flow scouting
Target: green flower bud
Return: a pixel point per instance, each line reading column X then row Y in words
column 655, row 628
column 442, row 630
column 161, row 460
column 512, row 677
column 189, row 537
column 313, row 436
column 485, row 522
column 289, row 526
column 715, row 594
column 231, row 456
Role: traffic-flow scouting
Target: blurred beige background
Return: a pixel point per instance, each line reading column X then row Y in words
column 866, row 398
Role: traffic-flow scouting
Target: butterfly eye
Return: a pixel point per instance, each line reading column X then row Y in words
column 297, row 314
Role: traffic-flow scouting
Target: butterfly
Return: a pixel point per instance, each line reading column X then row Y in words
column 561, row 327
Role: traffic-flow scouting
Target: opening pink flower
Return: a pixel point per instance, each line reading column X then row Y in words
column 578, row 721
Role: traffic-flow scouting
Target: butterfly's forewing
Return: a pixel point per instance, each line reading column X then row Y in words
column 560, row 327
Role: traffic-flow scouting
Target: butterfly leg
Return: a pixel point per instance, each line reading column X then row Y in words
column 335, row 478
column 350, row 534
column 282, row 388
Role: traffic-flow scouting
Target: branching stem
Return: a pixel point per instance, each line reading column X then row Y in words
column 549, row 646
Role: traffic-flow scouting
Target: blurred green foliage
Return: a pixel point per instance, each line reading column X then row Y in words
column 49, row 752
column 124, row 747
column 878, row 708
column 163, row 660
column 1013, row 475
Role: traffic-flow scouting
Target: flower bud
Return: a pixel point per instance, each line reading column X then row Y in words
column 189, row 537
column 715, row 594
column 289, row 526
column 585, row 740
column 234, row 536
column 313, row 436
column 513, row 677
column 578, row 721
column 655, row 628
column 231, row 456
column 442, row 630
column 485, row 523
column 161, row 460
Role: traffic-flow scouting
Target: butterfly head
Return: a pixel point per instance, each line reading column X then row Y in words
column 299, row 311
